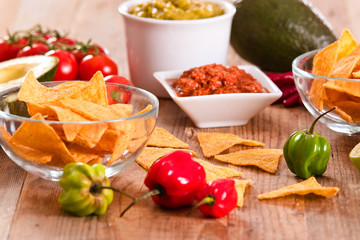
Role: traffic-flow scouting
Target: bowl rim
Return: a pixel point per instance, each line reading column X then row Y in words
column 153, row 98
column 172, row 93
column 228, row 7
column 302, row 73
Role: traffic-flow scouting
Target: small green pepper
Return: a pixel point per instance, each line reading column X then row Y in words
column 306, row 152
column 86, row 189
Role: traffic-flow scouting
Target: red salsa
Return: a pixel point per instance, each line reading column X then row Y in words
column 215, row 79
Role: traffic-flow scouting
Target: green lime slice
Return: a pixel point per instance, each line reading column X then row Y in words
column 355, row 156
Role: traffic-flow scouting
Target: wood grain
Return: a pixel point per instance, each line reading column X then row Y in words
column 29, row 204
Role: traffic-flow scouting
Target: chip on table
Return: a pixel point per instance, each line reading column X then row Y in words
column 303, row 188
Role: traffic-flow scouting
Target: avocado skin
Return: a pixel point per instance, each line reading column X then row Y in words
column 272, row 33
column 48, row 76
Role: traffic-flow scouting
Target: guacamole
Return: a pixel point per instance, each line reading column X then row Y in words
column 177, row 9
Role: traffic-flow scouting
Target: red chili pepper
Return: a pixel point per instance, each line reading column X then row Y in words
column 173, row 180
column 292, row 100
column 282, row 79
column 287, row 91
column 217, row 198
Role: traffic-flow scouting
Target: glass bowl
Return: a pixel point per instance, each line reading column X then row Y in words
column 305, row 81
column 139, row 126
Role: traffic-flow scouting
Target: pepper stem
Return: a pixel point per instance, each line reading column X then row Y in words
column 311, row 130
column 208, row 200
column 96, row 189
column 154, row 192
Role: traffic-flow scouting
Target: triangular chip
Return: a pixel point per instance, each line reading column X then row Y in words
column 28, row 153
column 150, row 154
column 95, row 92
column 32, row 91
column 266, row 159
column 240, row 186
column 42, row 136
column 162, row 138
column 306, row 187
column 214, row 172
column 213, row 143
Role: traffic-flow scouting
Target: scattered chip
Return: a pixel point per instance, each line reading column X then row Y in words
column 213, row 143
column 150, row 154
column 303, row 188
column 162, row 138
column 240, row 186
column 214, row 172
column 266, row 159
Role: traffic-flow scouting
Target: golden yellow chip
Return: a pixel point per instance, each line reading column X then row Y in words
column 306, row 187
column 213, row 143
column 150, row 154
column 146, row 109
column 32, row 91
column 344, row 67
column 28, row 153
column 95, row 92
column 121, row 145
column 80, row 154
column 240, row 186
column 214, row 172
column 66, row 115
column 41, row 136
column 162, row 138
column 266, row 159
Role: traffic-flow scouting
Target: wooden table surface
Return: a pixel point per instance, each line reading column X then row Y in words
column 28, row 204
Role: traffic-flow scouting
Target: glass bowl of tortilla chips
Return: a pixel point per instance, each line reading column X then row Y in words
column 46, row 125
column 330, row 77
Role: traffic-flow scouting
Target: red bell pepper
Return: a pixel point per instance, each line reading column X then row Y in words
column 173, row 180
column 217, row 198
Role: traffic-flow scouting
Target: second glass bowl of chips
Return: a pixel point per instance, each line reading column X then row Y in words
column 75, row 130
column 320, row 93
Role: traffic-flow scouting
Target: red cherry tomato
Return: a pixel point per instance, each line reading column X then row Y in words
column 8, row 49
column 60, row 43
column 67, row 67
column 35, row 49
column 93, row 49
column 91, row 64
column 114, row 94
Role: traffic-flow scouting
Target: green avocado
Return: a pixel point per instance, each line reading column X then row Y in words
column 271, row 33
column 12, row 72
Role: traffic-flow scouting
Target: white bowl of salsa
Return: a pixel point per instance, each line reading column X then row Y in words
column 216, row 109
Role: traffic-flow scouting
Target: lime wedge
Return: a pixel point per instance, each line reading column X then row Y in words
column 355, row 156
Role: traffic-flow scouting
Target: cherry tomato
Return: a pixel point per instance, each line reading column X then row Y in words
column 67, row 67
column 61, row 42
column 91, row 64
column 34, row 49
column 93, row 49
column 116, row 96
column 9, row 49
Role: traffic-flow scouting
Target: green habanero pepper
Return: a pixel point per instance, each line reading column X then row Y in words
column 86, row 189
column 306, row 152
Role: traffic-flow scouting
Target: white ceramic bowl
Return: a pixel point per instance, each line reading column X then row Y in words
column 160, row 45
column 220, row 110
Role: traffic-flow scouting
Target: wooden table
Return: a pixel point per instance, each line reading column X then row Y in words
column 29, row 208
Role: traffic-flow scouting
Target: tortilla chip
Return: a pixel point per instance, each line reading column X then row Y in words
column 162, row 138
column 95, row 92
column 214, row 172
column 81, row 154
column 144, row 110
column 33, row 92
column 42, row 136
column 303, row 188
column 344, row 67
column 28, row 153
column 213, row 143
column 150, row 154
column 121, row 145
column 66, row 115
column 240, row 186
column 266, row 159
